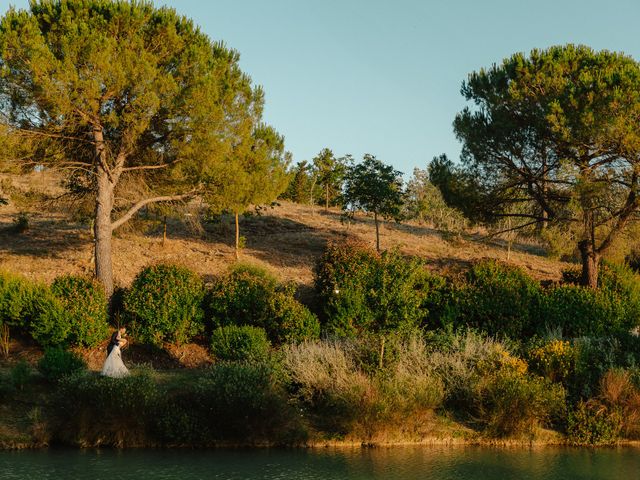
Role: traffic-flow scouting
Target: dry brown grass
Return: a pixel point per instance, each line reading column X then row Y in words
column 285, row 240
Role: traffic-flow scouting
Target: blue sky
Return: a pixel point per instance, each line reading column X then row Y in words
column 383, row 77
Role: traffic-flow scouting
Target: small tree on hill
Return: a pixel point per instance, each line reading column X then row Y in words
column 373, row 187
column 256, row 174
column 330, row 175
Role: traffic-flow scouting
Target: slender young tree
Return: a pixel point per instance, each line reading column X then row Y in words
column 256, row 174
column 373, row 187
column 330, row 175
column 557, row 130
column 117, row 92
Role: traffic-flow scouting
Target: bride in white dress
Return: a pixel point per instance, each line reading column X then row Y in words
column 113, row 365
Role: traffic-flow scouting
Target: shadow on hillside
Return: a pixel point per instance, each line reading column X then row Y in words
column 43, row 238
column 537, row 250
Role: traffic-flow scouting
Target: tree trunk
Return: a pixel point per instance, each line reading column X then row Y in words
column 102, row 230
column 382, row 342
column 590, row 264
column 326, row 198
column 237, row 237
column 164, row 231
column 375, row 219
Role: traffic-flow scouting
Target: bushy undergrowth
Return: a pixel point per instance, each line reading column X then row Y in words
column 498, row 299
column 30, row 308
column 249, row 295
column 85, row 307
column 165, row 304
column 240, row 343
column 92, row 410
column 363, row 291
column 57, row 363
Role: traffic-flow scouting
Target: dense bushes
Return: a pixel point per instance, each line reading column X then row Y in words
column 85, row 307
column 498, row 299
column 57, row 363
column 363, row 291
column 250, row 296
column 30, row 308
column 165, row 304
column 90, row 410
column 239, row 343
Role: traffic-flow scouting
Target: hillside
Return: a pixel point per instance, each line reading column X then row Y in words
column 286, row 239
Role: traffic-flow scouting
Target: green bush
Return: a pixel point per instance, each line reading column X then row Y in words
column 30, row 308
column 511, row 403
column 591, row 423
column 165, row 304
column 57, row 363
column 242, row 401
column 250, row 296
column 582, row 311
column 240, row 343
column 498, row 299
column 85, row 306
column 90, row 410
column 362, row 291
column 20, row 374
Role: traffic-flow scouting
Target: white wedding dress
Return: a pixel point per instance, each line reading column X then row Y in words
column 113, row 365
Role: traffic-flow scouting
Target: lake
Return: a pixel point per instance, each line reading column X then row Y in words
column 395, row 463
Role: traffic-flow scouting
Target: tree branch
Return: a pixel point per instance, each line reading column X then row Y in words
column 132, row 211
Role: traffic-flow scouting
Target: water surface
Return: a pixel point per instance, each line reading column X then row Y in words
column 397, row 463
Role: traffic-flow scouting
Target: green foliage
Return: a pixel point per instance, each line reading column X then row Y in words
column 583, row 311
column 523, row 138
column 244, row 343
column 141, row 85
column 511, row 403
column 57, row 363
column 372, row 186
column 92, row 410
column 458, row 188
column 241, row 401
column 590, row 423
column 366, row 292
column 85, row 306
column 302, row 187
column 329, row 172
column 498, row 299
column 20, row 374
column 164, row 304
column 423, row 201
column 248, row 295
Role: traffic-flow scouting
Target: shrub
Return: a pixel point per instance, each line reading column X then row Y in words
column 363, row 291
column 85, row 305
column 57, row 363
column 20, row 374
column 242, row 401
column 498, row 299
column 240, row 343
column 581, row 311
column 555, row 360
column 90, row 410
column 591, row 423
column 164, row 304
column 30, row 308
column 341, row 399
column 512, row 403
column 621, row 395
column 250, row 296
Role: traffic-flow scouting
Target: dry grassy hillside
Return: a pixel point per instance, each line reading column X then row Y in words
column 286, row 240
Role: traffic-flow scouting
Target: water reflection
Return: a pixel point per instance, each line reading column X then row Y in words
column 397, row 463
